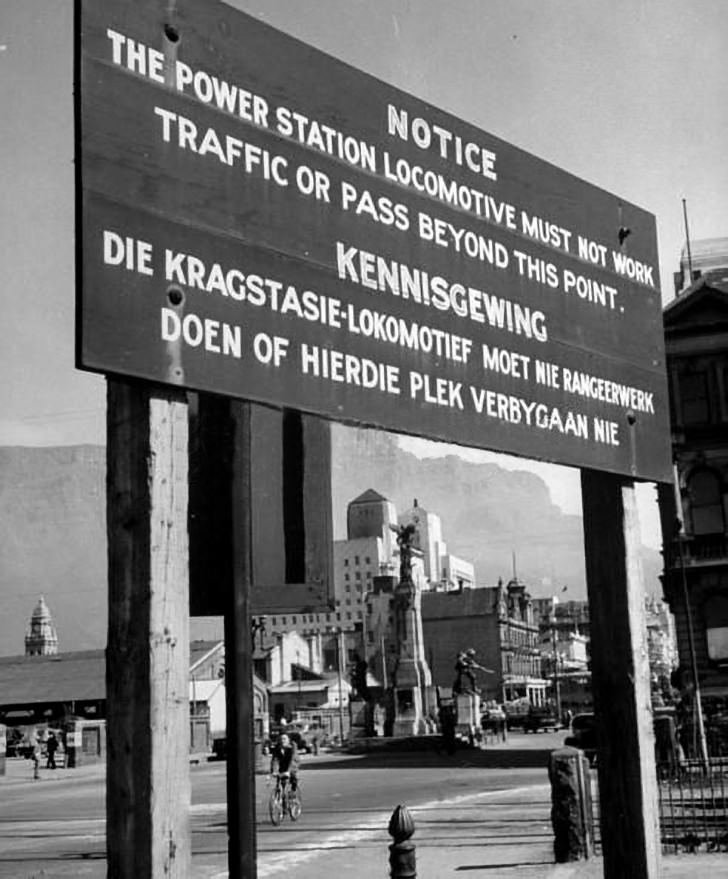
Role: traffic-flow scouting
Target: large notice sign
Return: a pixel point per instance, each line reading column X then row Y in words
column 260, row 220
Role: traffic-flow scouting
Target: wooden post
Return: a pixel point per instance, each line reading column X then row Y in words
column 239, row 660
column 147, row 660
column 620, row 679
column 260, row 531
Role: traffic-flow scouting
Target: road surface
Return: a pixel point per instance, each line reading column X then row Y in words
column 55, row 827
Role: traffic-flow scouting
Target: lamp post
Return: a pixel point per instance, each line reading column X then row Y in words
column 340, row 651
column 338, row 635
column 298, row 675
column 557, row 682
column 697, row 701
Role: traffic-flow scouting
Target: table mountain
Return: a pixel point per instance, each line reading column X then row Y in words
column 52, row 515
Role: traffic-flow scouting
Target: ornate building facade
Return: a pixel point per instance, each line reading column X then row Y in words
column 695, row 515
column 500, row 625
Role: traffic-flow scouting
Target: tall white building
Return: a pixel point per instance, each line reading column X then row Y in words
column 703, row 258
column 370, row 550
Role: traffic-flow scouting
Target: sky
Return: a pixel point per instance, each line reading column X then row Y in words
column 630, row 95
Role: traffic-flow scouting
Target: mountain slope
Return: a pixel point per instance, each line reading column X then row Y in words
column 53, row 543
column 52, row 521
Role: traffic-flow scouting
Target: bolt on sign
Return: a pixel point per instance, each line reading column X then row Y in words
column 260, row 220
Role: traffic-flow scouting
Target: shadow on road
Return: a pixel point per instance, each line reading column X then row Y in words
column 490, row 758
column 514, row 866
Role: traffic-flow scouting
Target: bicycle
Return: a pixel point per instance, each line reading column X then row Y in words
column 284, row 800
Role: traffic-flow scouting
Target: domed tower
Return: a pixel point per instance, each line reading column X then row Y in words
column 41, row 638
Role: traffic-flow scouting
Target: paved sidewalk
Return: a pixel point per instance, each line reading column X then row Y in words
column 474, row 863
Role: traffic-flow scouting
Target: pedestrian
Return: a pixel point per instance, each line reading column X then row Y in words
column 447, row 727
column 35, row 757
column 51, row 748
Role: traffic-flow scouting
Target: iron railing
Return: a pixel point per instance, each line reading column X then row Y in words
column 694, row 806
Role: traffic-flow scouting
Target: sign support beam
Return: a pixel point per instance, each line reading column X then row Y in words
column 147, row 660
column 620, row 678
column 239, row 660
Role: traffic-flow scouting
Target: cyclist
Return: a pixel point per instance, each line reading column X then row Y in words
column 284, row 759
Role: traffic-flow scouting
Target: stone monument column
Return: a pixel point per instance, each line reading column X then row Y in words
column 412, row 680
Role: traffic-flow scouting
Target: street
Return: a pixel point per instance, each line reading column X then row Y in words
column 55, row 826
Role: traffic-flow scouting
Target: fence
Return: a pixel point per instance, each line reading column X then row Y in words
column 694, row 806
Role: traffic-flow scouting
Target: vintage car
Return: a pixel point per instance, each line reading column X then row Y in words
column 306, row 738
column 541, row 717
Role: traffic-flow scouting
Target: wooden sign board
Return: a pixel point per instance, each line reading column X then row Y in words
column 260, row 220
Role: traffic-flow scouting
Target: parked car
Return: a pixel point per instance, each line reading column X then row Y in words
column 584, row 735
column 516, row 712
column 17, row 744
column 219, row 748
column 541, row 717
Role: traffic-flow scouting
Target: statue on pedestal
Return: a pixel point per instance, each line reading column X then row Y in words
column 404, row 593
column 465, row 666
column 405, row 541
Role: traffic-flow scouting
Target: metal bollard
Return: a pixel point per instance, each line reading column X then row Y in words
column 402, row 856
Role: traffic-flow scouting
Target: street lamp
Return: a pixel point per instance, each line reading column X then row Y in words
column 339, row 636
column 298, row 675
column 697, row 701
column 340, row 644
column 557, row 682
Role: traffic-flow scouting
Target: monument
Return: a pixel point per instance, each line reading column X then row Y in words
column 465, row 693
column 411, row 677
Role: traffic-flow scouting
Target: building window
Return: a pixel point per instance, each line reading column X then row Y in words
column 346, row 563
column 367, row 560
column 694, row 400
column 715, row 612
column 356, row 559
column 346, row 577
column 706, row 502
